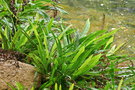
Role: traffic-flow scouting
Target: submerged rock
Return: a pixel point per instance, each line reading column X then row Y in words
column 10, row 73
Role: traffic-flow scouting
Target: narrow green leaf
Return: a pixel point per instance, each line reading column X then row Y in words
column 76, row 56
column 114, row 49
column 89, row 39
column 86, row 28
column 106, row 35
column 4, row 40
column 60, row 87
column 109, row 42
column 46, row 45
column 59, row 38
column 56, row 86
column 71, row 87
column 19, row 86
column 7, row 7
column 120, row 84
column 32, row 88
column 87, row 65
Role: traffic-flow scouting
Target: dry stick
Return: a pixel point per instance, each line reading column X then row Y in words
column 25, row 2
column 13, row 9
column 103, row 22
column 132, row 64
column 55, row 12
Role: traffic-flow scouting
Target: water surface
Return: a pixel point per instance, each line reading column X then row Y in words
column 105, row 14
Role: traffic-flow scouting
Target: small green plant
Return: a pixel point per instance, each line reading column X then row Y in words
column 61, row 54
column 15, row 17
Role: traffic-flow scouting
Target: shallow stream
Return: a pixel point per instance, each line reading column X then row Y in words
column 105, row 14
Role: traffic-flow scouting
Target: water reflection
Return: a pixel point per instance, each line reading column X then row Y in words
column 110, row 5
column 118, row 14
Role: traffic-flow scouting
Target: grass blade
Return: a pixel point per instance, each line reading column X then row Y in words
column 71, row 87
column 87, row 65
column 120, row 84
column 86, row 28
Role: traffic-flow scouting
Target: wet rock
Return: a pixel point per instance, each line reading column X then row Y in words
column 10, row 73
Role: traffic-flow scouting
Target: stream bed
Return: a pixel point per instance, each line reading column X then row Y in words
column 105, row 14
